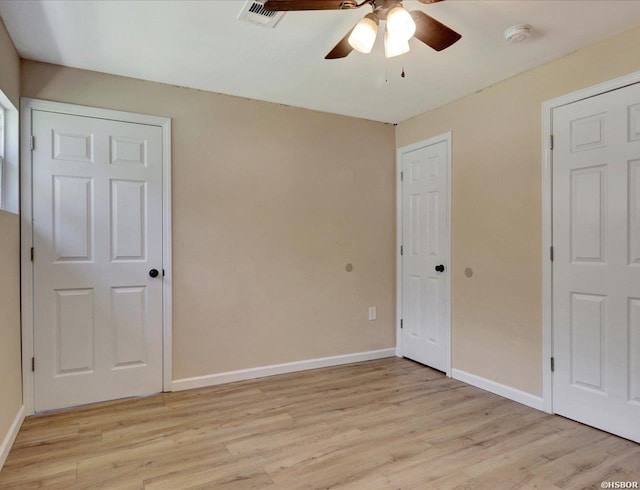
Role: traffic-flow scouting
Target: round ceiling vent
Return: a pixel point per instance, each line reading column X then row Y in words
column 516, row 34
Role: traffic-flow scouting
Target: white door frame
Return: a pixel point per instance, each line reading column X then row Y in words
column 446, row 137
column 547, row 219
column 26, row 233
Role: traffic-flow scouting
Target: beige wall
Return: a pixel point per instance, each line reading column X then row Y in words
column 269, row 205
column 10, row 368
column 496, row 208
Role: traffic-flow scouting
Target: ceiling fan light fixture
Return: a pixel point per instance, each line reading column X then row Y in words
column 364, row 34
column 394, row 45
column 400, row 24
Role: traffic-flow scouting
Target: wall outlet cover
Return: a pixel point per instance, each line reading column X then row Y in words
column 372, row 313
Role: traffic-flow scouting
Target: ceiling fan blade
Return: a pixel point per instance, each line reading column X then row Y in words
column 342, row 49
column 433, row 33
column 287, row 5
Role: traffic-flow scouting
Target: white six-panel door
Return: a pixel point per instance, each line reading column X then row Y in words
column 596, row 268
column 97, row 228
column 425, row 242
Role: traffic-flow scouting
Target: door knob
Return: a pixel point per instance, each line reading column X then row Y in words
column 153, row 272
column 440, row 268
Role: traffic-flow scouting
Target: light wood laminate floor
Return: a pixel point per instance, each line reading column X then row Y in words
column 386, row 424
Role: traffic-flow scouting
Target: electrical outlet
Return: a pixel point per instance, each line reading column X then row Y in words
column 372, row 313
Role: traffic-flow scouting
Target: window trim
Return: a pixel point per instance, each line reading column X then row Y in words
column 9, row 169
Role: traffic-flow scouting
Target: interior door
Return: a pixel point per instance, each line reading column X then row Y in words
column 425, row 255
column 596, row 268
column 97, row 223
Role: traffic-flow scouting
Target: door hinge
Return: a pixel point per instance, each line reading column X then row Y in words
column 32, row 254
column 401, row 250
column 551, row 254
column 551, row 142
column 553, row 365
column 401, row 176
column 33, row 364
column 401, row 322
column 33, row 142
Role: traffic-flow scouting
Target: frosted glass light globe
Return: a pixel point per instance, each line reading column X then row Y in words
column 394, row 45
column 364, row 34
column 400, row 24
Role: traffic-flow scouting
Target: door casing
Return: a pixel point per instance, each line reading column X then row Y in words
column 26, row 232
column 446, row 137
column 547, row 219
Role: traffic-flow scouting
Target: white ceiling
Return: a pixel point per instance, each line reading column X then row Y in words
column 200, row 44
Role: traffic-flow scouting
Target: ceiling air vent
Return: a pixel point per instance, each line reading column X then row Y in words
column 255, row 13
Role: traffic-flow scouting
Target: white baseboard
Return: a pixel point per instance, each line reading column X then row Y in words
column 499, row 389
column 289, row 367
column 10, row 437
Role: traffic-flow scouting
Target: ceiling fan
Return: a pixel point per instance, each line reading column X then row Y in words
column 400, row 25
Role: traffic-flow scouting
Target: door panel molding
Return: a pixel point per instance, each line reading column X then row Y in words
column 27, row 107
column 547, row 221
column 445, row 137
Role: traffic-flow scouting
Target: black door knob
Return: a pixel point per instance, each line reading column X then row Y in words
column 440, row 268
column 153, row 272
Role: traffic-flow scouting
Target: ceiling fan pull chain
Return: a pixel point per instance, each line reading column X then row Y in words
column 386, row 70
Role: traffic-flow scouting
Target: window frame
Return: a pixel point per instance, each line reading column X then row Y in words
column 9, row 153
column 2, row 145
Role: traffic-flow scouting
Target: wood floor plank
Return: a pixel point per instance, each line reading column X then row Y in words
column 130, row 469
column 376, row 425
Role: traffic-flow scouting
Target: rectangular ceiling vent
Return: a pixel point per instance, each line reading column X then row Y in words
column 254, row 12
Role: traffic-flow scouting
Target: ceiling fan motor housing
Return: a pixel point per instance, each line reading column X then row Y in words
column 382, row 7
